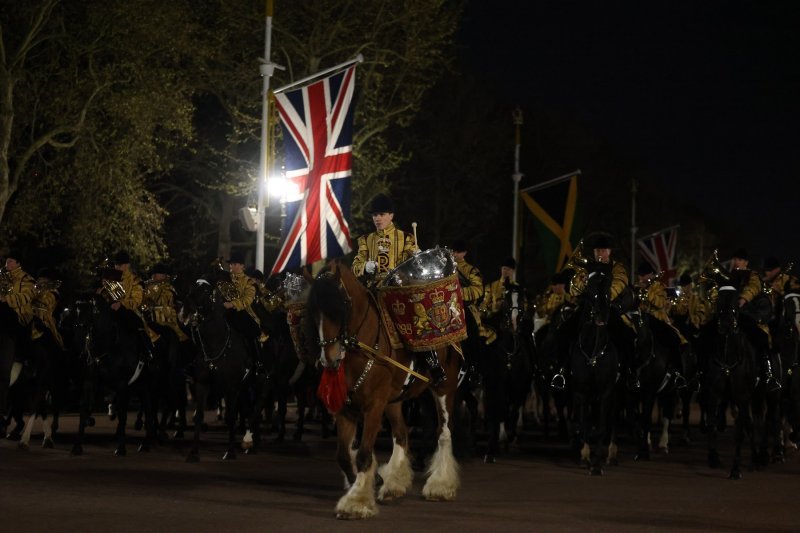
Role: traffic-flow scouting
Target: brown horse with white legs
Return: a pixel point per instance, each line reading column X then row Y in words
column 351, row 335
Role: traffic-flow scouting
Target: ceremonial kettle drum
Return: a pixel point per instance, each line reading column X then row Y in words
column 421, row 298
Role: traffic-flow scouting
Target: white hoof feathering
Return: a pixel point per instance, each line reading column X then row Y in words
column 359, row 502
column 396, row 474
column 586, row 452
column 612, row 453
column 443, row 478
column 247, row 440
column 663, row 443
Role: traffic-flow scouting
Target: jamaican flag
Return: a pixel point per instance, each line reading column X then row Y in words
column 554, row 205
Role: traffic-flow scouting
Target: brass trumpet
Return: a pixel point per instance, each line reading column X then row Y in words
column 713, row 271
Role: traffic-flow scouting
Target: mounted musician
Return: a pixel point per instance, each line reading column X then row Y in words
column 383, row 249
column 551, row 300
column 495, row 291
column 620, row 295
column 17, row 290
column 756, row 310
column 653, row 301
column 158, row 304
column 690, row 311
column 45, row 301
column 125, row 293
column 240, row 294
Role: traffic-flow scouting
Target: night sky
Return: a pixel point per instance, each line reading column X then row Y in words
column 703, row 96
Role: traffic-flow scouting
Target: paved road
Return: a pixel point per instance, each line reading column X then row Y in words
column 536, row 486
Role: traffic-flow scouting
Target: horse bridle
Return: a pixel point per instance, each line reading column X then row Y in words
column 347, row 341
column 194, row 327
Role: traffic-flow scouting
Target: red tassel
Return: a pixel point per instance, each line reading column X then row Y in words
column 332, row 389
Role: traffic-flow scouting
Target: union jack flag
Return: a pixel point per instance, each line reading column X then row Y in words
column 317, row 123
column 659, row 250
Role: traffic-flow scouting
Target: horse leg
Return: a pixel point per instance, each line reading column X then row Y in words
column 443, row 476
column 396, row 474
column 122, row 418
column 231, row 416
column 281, row 414
column 200, row 398
column 645, row 420
column 25, row 437
column 85, row 418
column 359, row 501
column 301, row 412
column 739, row 433
column 345, row 432
column 255, row 416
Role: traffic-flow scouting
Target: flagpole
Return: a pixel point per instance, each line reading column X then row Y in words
column 358, row 59
column 633, row 229
column 516, row 177
column 549, row 183
column 267, row 68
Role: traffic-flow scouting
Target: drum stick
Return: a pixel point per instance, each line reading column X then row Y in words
column 414, row 227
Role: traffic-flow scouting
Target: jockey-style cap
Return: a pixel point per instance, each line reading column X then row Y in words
column 122, row 258
column 15, row 255
column 686, row 279
column 771, row 262
column 740, row 253
column 381, row 204
column 600, row 241
column 644, row 268
column 253, row 272
column 46, row 273
column 459, row 245
column 509, row 262
column 236, row 257
column 160, row 268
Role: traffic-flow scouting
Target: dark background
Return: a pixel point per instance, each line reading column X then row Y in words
column 696, row 101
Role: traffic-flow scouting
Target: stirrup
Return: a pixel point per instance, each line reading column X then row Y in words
column 559, row 382
column 679, row 382
column 632, row 381
column 771, row 383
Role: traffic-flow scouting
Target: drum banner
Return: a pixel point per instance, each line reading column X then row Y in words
column 425, row 317
column 294, row 317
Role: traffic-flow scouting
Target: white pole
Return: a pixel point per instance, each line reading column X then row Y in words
column 516, row 178
column 267, row 68
column 633, row 230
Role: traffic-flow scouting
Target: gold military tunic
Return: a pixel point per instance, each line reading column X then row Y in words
column 133, row 291
column 44, row 307
column 751, row 287
column 550, row 304
column 494, row 293
column 657, row 304
column 388, row 248
column 619, row 280
column 246, row 289
column 21, row 295
column 159, row 302
column 692, row 306
column 472, row 291
column 779, row 284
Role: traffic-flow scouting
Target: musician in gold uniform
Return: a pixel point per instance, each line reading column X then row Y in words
column 386, row 247
column 45, row 302
column 240, row 314
column 690, row 310
column 479, row 335
column 158, row 304
column 621, row 297
column 15, row 303
column 129, row 305
column 753, row 318
column 554, row 298
column 655, row 303
column 494, row 292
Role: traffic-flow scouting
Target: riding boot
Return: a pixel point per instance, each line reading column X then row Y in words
column 431, row 360
column 559, row 381
column 766, row 369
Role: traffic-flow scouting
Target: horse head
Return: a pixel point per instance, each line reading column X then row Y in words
column 328, row 310
column 513, row 306
column 596, row 301
column 727, row 310
column 202, row 301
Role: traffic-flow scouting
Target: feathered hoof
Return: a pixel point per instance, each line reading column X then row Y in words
column 355, row 510
column 48, row 444
column 247, row 444
column 388, row 494
column 441, row 494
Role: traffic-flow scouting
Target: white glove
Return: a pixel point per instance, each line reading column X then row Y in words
column 370, row 267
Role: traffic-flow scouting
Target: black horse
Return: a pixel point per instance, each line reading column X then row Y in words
column 594, row 365
column 108, row 345
column 221, row 363
column 515, row 339
column 788, row 340
column 652, row 360
column 730, row 377
column 546, row 365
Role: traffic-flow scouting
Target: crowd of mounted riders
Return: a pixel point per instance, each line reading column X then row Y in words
column 514, row 340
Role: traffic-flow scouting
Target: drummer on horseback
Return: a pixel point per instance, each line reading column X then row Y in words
column 754, row 316
column 385, row 248
column 655, row 303
column 621, row 297
column 16, row 293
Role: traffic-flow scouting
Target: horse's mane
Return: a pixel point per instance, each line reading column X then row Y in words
column 326, row 298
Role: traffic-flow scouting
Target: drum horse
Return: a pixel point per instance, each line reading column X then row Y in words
column 357, row 353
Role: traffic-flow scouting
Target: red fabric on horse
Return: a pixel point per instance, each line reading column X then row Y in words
column 332, row 389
